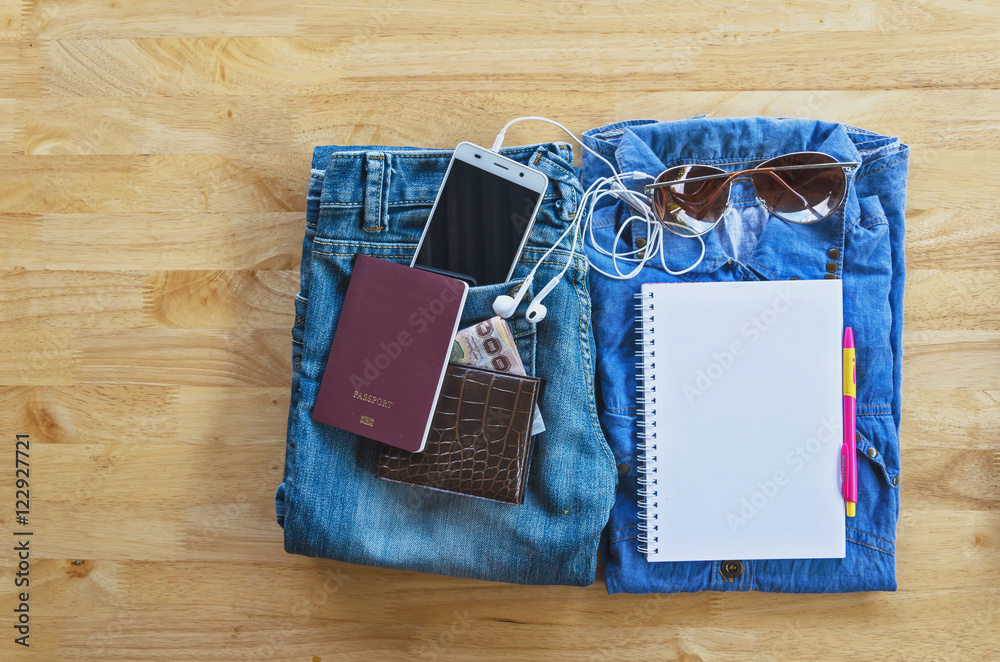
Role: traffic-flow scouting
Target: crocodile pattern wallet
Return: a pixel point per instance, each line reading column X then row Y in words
column 480, row 439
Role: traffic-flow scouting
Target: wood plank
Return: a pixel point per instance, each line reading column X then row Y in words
column 10, row 19
column 188, row 67
column 952, row 299
column 25, row 66
column 224, row 299
column 326, row 65
column 949, row 238
column 153, row 240
column 962, row 418
column 951, row 359
column 126, row 414
column 285, row 123
column 238, row 357
column 11, row 128
column 68, row 299
column 51, row 19
column 133, row 299
column 76, row 19
column 181, row 183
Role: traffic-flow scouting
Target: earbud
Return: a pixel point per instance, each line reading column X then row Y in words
column 536, row 311
column 505, row 305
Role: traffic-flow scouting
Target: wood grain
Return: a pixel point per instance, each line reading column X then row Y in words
column 154, row 161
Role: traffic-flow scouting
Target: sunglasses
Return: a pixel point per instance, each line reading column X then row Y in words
column 804, row 187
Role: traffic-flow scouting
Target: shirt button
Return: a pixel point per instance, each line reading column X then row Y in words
column 829, row 276
column 622, row 469
column 794, row 278
column 732, row 570
column 831, row 266
column 833, row 253
column 871, row 452
column 640, row 242
column 895, row 481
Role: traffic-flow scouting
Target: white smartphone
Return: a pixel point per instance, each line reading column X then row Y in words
column 481, row 216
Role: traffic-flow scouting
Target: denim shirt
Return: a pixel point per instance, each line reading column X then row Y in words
column 861, row 243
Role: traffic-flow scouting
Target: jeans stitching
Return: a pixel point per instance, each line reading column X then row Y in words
column 400, row 203
column 381, row 182
column 366, row 244
column 585, row 352
column 316, row 252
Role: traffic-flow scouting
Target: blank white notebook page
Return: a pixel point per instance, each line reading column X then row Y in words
column 744, row 426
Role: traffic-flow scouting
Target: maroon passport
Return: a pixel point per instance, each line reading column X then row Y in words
column 389, row 352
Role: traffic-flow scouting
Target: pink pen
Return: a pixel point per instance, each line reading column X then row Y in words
column 848, row 455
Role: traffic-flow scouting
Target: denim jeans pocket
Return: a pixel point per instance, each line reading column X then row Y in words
column 479, row 307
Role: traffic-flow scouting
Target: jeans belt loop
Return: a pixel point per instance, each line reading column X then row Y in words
column 376, row 191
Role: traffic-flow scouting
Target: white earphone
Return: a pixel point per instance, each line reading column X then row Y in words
column 505, row 305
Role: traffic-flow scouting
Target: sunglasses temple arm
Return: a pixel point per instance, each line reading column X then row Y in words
column 789, row 189
column 686, row 205
column 699, row 212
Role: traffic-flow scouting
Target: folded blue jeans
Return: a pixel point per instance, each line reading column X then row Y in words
column 862, row 244
column 376, row 200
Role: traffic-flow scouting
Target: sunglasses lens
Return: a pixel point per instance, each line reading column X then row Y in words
column 691, row 208
column 801, row 196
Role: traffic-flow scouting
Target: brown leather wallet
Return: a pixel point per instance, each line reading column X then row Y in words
column 480, row 438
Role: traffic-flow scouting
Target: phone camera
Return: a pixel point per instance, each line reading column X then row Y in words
column 521, row 173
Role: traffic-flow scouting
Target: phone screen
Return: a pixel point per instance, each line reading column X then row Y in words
column 477, row 226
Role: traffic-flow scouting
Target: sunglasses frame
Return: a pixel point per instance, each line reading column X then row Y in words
column 731, row 177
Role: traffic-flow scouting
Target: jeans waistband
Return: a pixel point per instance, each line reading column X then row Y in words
column 376, row 179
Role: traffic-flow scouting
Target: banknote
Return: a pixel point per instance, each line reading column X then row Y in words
column 490, row 344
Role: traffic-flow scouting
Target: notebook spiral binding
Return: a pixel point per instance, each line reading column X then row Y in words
column 645, row 353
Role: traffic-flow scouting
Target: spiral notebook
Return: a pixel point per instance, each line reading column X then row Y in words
column 740, row 420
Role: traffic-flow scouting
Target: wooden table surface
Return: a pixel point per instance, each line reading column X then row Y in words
column 153, row 168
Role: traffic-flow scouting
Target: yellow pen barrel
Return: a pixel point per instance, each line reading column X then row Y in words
column 850, row 383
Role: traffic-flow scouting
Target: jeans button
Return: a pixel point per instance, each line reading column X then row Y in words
column 622, row 469
column 732, row 570
column 829, row 276
column 871, row 452
column 831, row 267
column 833, row 253
column 640, row 242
